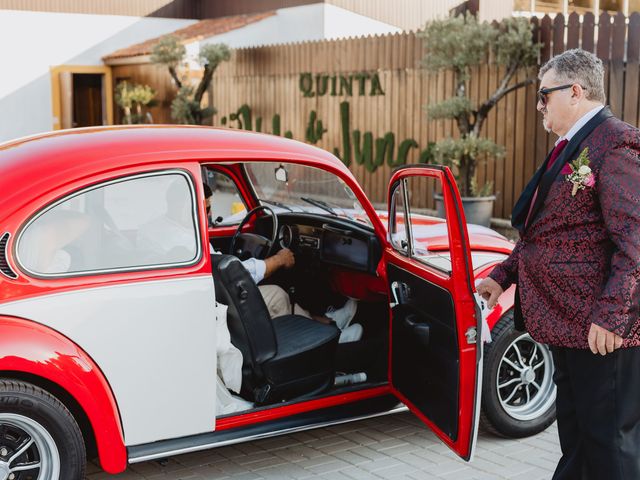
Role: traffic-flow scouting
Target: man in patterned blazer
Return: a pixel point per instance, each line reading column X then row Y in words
column 577, row 270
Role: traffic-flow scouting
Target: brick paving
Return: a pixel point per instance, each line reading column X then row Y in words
column 392, row 447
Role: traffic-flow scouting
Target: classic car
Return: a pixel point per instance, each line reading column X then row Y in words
column 112, row 272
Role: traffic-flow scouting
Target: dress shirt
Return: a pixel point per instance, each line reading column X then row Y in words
column 254, row 266
column 582, row 121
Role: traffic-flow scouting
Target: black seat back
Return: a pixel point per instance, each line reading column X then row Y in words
column 247, row 316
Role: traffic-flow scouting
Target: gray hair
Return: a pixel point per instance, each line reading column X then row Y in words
column 578, row 66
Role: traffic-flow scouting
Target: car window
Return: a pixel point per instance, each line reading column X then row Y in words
column 428, row 230
column 129, row 224
column 303, row 188
column 227, row 205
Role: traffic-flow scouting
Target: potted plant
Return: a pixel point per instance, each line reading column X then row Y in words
column 458, row 44
column 132, row 98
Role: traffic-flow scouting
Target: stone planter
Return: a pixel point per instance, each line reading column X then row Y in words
column 477, row 210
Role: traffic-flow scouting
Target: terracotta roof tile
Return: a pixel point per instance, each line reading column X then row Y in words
column 198, row 31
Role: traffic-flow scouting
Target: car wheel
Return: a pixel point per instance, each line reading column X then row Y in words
column 518, row 393
column 39, row 438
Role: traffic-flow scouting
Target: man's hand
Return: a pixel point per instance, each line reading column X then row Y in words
column 490, row 290
column 603, row 341
column 285, row 258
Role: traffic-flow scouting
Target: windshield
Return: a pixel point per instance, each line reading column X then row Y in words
column 299, row 188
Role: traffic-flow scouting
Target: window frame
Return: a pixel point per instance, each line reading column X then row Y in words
column 76, row 193
column 406, row 207
column 393, row 216
column 231, row 176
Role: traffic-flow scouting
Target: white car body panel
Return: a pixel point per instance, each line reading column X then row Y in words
column 155, row 342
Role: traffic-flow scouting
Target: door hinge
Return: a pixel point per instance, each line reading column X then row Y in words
column 472, row 335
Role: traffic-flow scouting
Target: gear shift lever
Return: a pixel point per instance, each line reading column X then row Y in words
column 292, row 292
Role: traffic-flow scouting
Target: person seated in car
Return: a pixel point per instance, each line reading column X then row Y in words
column 277, row 300
column 45, row 247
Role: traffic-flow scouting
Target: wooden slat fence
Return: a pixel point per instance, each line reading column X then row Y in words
column 267, row 79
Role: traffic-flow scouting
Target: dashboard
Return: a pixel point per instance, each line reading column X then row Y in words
column 329, row 240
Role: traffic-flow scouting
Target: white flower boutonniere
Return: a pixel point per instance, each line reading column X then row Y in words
column 579, row 172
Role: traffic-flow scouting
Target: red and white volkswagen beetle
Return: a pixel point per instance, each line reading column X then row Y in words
column 108, row 324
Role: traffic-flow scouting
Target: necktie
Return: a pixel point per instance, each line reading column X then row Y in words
column 554, row 155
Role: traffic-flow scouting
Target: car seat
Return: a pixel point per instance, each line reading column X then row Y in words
column 284, row 357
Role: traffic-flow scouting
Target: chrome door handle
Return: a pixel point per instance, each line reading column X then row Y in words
column 400, row 293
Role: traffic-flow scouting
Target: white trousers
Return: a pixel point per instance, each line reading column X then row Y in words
column 278, row 303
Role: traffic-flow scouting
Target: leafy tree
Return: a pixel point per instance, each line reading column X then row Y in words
column 458, row 44
column 133, row 97
column 187, row 106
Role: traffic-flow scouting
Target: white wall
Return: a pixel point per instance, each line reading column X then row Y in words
column 341, row 23
column 35, row 41
column 494, row 10
column 317, row 21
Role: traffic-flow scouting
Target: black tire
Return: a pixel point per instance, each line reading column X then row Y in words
column 494, row 417
column 27, row 411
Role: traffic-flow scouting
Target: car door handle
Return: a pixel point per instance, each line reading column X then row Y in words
column 421, row 331
column 400, row 293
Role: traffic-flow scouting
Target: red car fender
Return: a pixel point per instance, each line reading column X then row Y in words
column 31, row 348
column 505, row 302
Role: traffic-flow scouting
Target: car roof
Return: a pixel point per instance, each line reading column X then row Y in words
column 33, row 165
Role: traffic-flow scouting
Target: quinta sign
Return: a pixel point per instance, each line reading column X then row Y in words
column 340, row 85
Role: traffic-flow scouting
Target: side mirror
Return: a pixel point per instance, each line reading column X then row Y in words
column 281, row 174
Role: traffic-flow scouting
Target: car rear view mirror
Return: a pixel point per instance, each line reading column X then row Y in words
column 281, row 174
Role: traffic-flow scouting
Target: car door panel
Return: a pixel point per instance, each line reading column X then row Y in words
column 422, row 381
column 435, row 361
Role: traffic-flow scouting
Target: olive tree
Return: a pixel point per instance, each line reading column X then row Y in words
column 458, row 44
column 187, row 107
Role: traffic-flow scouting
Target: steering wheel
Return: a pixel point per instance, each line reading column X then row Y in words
column 246, row 245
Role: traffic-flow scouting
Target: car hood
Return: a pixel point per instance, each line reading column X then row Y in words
column 430, row 233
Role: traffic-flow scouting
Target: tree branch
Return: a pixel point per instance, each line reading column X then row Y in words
column 204, row 83
column 174, row 75
column 500, row 92
column 462, row 119
column 524, row 83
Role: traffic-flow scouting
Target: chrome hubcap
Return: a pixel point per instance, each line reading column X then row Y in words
column 525, row 379
column 27, row 450
column 528, row 376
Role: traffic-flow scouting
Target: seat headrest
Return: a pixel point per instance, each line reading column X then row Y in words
column 248, row 317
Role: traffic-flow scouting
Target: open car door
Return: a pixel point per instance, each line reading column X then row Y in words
column 435, row 348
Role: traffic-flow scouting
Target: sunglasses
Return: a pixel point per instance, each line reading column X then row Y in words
column 544, row 92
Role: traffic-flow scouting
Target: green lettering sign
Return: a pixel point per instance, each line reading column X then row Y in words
column 306, row 84
column 339, row 84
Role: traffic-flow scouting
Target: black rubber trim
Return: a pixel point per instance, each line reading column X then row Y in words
column 5, row 268
column 203, row 441
column 418, row 165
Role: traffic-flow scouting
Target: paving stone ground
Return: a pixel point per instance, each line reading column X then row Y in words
column 391, row 447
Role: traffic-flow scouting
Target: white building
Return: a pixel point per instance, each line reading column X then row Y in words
column 48, row 48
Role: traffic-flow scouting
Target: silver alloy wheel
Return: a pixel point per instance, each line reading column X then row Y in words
column 525, row 379
column 26, row 448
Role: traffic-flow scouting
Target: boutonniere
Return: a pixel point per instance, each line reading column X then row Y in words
column 579, row 173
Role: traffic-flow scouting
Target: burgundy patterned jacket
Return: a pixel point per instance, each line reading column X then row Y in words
column 578, row 258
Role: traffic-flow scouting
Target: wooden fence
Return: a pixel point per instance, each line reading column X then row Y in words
column 373, row 89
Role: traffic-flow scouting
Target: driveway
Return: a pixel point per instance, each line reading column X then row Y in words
column 391, row 447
